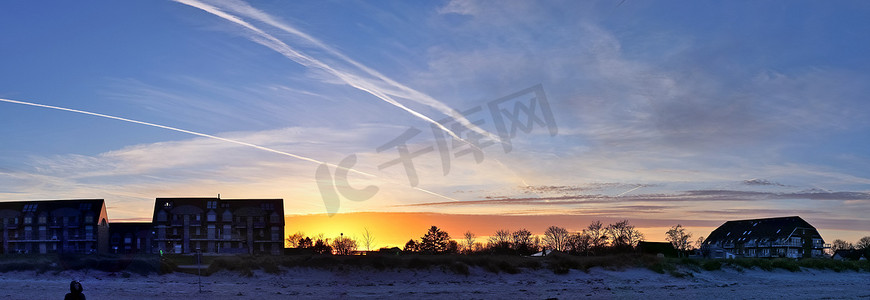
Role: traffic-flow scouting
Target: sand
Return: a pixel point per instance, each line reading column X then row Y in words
column 435, row 284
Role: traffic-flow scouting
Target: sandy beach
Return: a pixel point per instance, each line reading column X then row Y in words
column 436, row 284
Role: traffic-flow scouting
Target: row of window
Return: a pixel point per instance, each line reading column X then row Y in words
column 212, row 217
column 57, row 220
column 44, row 234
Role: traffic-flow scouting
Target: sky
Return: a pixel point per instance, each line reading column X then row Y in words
column 470, row 115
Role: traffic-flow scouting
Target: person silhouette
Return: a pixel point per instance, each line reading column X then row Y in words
column 75, row 291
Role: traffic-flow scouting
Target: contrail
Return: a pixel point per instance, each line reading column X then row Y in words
column 240, row 7
column 353, row 80
column 207, row 136
column 629, row 191
column 178, row 130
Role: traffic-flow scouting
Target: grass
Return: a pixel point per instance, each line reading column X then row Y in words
column 140, row 264
column 458, row 264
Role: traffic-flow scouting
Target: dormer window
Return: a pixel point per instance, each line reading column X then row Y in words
column 30, row 207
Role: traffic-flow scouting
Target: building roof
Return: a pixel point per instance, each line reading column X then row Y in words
column 760, row 230
column 200, row 205
column 55, row 207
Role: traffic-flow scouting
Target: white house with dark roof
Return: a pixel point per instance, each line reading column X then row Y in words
column 789, row 237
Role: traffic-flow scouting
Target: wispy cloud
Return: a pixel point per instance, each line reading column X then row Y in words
column 380, row 86
column 700, row 196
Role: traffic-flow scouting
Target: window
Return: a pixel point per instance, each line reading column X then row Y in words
column 28, row 220
column 42, row 219
column 89, row 219
column 30, row 207
column 211, row 205
column 276, row 233
column 211, row 216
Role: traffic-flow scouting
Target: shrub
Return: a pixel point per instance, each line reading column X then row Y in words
column 712, row 265
column 508, row 267
column 787, row 264
column 460, row 268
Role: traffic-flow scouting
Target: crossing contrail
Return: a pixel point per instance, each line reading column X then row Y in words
column 206, row 136
column 358, row 82
column 244, row 9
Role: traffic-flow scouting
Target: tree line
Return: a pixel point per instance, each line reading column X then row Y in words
column 595, row 239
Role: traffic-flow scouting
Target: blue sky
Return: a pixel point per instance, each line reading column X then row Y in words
column 667, row 111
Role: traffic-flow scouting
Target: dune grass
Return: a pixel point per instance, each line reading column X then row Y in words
column 458, row 264
column 139, row 264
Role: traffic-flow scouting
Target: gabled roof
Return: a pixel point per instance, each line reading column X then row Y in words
column 760, row 230
column 96, row 206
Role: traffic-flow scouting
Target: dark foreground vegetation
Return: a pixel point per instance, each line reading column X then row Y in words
column 458, row 264
column 43, row 263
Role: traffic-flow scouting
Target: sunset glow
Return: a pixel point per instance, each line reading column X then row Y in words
column 468, row 115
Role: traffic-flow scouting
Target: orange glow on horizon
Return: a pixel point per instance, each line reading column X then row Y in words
column 396, row 228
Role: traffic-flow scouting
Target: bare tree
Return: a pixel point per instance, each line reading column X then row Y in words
column 343, row 245
column 839, row 244
column 368, row 239
column 556, row 238
column 294, row 239
column 622, row 235
column 479, row 247
column 679, row 238
column 579, row 243
column 469, row 241
column 500, row 241
column 863, row 243
column 522, row 241
column 597, row 235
